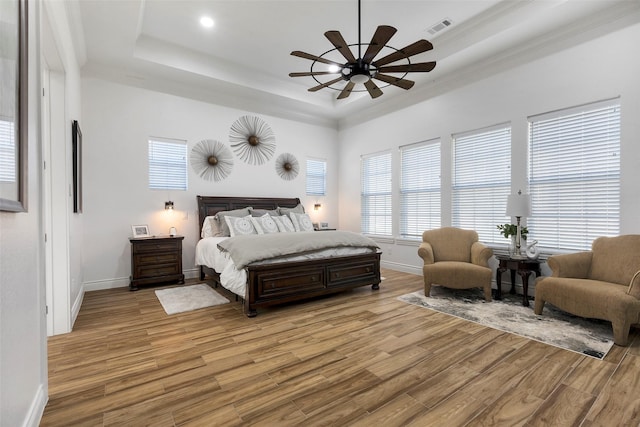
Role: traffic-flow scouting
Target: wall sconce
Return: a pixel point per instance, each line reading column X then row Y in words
column 317, row 206
column 168, row 206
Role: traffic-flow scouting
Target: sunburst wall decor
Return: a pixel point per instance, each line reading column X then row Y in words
column 252, row 140
column 211, row 159
column 287, row 166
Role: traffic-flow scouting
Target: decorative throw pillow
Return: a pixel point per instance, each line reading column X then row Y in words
column 264, row 224
column 240, row 226
column 301, row 222
column 298, row 209
column 284, row 224
column 224, row 227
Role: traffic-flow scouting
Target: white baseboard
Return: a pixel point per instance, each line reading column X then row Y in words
column 98, row 285
column 75, row 309
column 123, row 282
column 34, row 416
column 405, row 268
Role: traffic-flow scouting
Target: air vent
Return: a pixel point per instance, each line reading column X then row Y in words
column 436, row 28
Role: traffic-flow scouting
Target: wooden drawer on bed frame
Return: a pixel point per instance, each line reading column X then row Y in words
column 302, row 280
column 316, row 277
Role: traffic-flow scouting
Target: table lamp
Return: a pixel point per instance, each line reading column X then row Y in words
column 519, row 205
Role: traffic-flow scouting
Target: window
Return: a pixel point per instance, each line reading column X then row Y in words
column 167, row 164
column 7, row 152
column 316, row 177
column 574, row 175
column 419, row 188
column 375, row 195
column 482, row 180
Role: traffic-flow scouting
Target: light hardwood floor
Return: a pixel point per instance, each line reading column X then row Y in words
column 360, row 358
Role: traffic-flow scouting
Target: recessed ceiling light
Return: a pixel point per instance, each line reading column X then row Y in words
column 206, row 22
column 334, row 68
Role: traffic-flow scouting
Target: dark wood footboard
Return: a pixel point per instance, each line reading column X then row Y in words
column 271, row 284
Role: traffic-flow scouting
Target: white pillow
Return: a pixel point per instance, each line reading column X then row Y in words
column 264, row 224
column 209, row 227
column 284, row 224
column 301, row 222
column 222, row 224
column 240, row 225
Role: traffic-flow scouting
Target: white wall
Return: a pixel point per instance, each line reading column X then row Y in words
column 117, row 122
column 23, row 343
column 65, row 233
column 597, row 70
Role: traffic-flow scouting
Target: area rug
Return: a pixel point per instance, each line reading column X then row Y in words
column 188, row 298
column 586, row 336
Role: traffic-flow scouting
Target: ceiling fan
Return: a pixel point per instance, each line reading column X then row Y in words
column 363, row 69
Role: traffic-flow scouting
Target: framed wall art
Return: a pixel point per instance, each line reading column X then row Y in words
column 77, row 166
column 13, row 105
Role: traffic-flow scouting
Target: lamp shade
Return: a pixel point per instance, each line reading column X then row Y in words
column 519, row 205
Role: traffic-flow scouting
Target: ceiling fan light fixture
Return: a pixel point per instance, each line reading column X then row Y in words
column 359, row 78
column 365, row 68
column 206, row 22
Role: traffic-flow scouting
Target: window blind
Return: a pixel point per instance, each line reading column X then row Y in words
column 482, row 181
column 574, row 175
column 316, row 177
column 419, row 188
column 167, row 164
column 376, row 194
column 7, row 152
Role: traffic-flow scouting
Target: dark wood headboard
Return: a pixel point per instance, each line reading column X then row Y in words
column 211, row 205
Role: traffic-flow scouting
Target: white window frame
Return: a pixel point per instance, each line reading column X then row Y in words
column 420, row 188
column 316, row 184
column 167, row 159
column 482, row 181
column 574, row 175
column 376, row 199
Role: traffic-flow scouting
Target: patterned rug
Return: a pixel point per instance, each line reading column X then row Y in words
column 555, row 327
column 188, row 298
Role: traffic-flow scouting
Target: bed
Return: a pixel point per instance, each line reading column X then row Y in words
column 278, row 282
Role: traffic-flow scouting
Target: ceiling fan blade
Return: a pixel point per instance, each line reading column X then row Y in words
column 313, row 73
column 305, row 55
column 327, row 84
column 347, row 90
column 380, row 38
column 403, row 83
column 338, row 41
column 407, row 51
column 373, row 89
column 423, row 67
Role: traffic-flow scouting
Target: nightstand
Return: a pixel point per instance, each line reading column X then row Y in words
column 155, row 260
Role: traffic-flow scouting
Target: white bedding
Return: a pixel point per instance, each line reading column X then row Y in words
column 208, row 254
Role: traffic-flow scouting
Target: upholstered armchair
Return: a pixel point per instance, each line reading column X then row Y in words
column 603, row 283
column 454, row 258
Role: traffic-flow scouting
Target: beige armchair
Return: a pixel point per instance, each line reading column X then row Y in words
column 603, row 283
column 454, row 258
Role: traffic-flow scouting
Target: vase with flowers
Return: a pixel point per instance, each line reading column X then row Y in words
column 510, row 231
